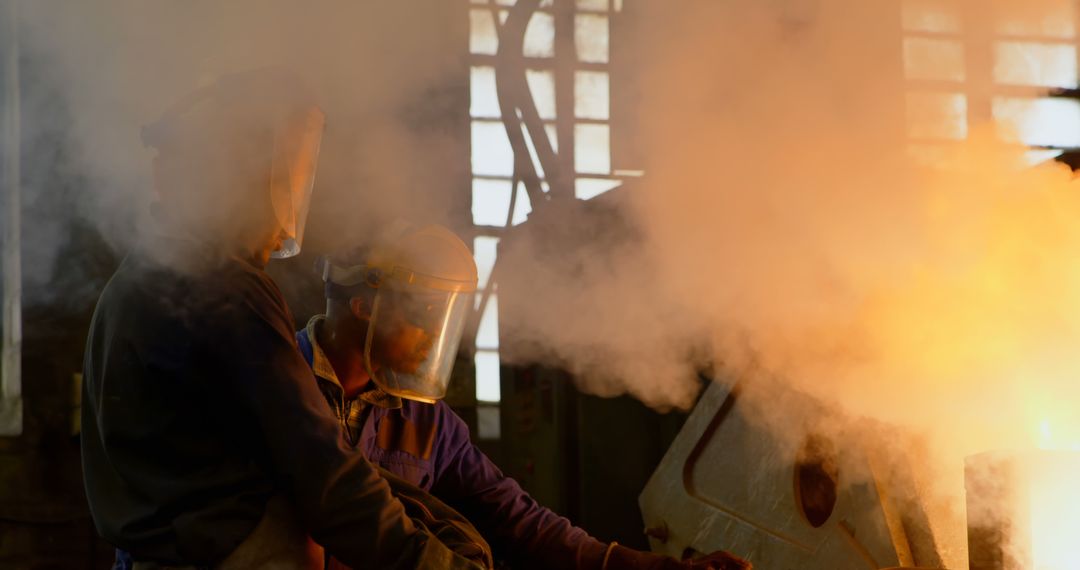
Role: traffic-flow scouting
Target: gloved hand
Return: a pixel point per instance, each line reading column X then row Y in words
column 622, row 558
column 718, row 560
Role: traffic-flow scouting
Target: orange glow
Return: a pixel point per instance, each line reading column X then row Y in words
column 1055, row 502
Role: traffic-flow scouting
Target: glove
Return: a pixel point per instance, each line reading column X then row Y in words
column 718, row 560
column 622, row 558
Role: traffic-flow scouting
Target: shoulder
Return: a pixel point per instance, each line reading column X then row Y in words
column 453, row 431
column 241, row 301
column 254, row 286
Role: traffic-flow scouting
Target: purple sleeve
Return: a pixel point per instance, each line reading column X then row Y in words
column 518, row 528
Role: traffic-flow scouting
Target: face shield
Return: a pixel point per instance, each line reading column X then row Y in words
column 413, row 335
column 248, row 133
column 292, row 175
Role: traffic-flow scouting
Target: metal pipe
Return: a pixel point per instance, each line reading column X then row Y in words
column 10, row 209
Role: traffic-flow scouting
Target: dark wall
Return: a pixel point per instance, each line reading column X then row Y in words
column 585, row 457
column 44, row 520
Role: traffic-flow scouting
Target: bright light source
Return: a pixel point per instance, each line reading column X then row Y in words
column 1023, row 509
column 588, row 188
column 934, row 59
column 940, row 16
column 596, row 5
column 592, row 149
column 540, row 36
column 487, row 335
column 1045, row 18
column 485, row 249
column 1027, row 63
column 483, row 99
column 492, row 154
column 591, row 37
column 591, row 95
column 490, row 201
column 542, row 87
column 483, row 34
column 487, row 376
column 1040, row 122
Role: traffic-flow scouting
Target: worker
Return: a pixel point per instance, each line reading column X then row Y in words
column 382, row 356
column 205, row 439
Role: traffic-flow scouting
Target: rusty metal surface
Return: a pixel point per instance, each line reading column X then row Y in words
column 728, row 483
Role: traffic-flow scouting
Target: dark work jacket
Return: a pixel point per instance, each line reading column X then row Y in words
column 429, row 446
column 198, row 407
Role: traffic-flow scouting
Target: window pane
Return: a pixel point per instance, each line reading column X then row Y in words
column 523, row 206
column 484, row 102
column 1045, row 18
column 1024, row 63
column 487, row 422
column 931, row 16
column 591, row 95
column 937, row 115
column 487, row 335
column 591, row 37
column 592, row 149
column 932, row 59
column 553, row 136
column 598, row 5
column 533, row 155
column 1048, row 122
column 483, row 37
column 586, row 188
column 491, row 151
column 487, row 376
column 490, row 202
column 484, row 251
column 540, row 36
column 1034, row 157
column 542, row 87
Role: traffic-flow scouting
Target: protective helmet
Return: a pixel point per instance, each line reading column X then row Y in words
column 227, row 114
column 420, row 282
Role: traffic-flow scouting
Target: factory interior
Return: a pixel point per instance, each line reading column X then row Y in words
column 770, row 284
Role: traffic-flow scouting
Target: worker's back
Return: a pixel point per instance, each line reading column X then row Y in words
column 173, row 472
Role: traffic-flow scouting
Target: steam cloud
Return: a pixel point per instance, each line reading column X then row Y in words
column 782, row 222
column 94, row 73
column 785, row 223
column 788, row 228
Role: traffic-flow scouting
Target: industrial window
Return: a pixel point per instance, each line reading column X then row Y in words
column 10, row 274
column 566, row 51
column 965, row 66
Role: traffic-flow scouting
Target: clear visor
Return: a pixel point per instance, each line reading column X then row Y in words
column 292, row 175
column 413, row 337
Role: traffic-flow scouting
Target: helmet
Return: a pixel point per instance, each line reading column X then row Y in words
column 259, row 125
column 419, row 282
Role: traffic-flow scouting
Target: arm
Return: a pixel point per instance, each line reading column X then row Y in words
column 342, row 501
column 518, row 527
column 531, row 535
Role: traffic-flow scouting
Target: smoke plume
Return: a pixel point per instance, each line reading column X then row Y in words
column 783, row 223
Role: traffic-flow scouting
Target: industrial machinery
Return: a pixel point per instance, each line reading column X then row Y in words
column 801, row 497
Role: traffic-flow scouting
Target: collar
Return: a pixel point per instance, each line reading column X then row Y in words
column 320, row 365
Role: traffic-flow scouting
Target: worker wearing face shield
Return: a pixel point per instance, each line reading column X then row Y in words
column 382, row 356
column 205, row 440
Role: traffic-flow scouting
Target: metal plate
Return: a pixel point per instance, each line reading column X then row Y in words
column 728, row 483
